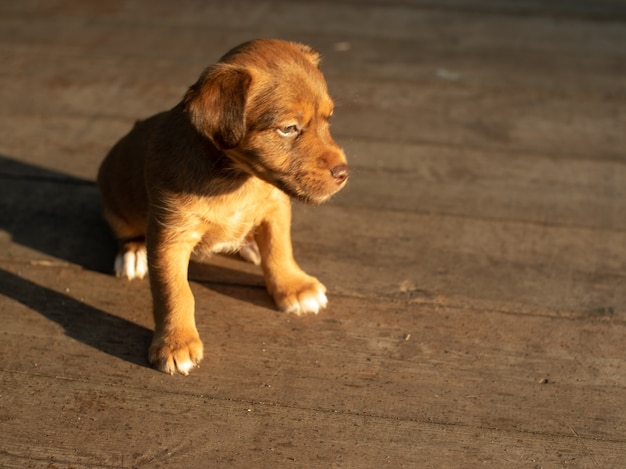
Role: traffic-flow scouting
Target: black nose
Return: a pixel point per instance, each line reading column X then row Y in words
column 340, row 173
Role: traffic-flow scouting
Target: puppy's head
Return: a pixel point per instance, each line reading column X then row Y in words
column 266, row 106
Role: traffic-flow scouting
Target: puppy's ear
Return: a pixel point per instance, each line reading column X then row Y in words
column 216, row 104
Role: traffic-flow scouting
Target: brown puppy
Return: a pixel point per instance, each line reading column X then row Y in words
column 216, row 174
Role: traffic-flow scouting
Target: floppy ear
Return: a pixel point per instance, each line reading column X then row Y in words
column 216, row 104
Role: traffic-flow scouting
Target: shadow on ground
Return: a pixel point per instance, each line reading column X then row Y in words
column 113, row 335
column 55, row 214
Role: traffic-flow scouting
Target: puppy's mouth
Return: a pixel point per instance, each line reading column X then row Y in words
column 310, row 189
column 300, row 195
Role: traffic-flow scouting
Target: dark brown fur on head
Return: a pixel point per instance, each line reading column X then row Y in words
column 216, row 104
column 269, row 113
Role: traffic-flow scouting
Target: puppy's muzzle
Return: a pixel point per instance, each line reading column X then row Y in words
column 340, row 173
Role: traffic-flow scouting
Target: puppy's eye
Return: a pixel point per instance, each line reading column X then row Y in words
column 289, row 131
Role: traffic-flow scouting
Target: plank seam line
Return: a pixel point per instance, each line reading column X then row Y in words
column 612, row 13
column 559, row 314
column 489, row 149
column 70, row 181
column 458, row 216
column 53, row 461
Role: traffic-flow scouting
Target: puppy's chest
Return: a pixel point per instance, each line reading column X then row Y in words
column 225, row 223
column 221, row 228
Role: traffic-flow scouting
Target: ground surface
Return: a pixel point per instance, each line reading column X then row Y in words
column 476, row 261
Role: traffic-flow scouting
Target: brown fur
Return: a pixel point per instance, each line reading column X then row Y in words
column 218, row 170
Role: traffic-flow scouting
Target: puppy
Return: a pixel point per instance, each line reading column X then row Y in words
column 216, row 174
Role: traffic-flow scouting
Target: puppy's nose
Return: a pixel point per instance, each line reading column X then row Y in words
column 340, row 173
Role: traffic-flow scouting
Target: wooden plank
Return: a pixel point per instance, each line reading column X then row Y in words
column 481, row 119
column 495, row 185
column 547, row 64
column 352, row 373
column 562, row 269
column 228, row 433
column 361, row 356
column 435, row 46
column 380, row 19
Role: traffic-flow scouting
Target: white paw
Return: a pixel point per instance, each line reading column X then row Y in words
column 311, row 302
column 178, row 352
column 132, row 264
column 183, row 367
column 250, row 252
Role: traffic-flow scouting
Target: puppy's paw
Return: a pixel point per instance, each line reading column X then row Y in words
column 303, row 296
column 177, row 352
column 132, row 262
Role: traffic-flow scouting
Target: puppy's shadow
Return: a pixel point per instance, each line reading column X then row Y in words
column 231, row 276
column 55, row 214
column 59, row 217
column 111, row 334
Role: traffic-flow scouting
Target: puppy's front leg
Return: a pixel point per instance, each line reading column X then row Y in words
column 293, row 290
column 176, row 345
